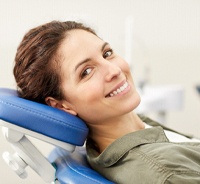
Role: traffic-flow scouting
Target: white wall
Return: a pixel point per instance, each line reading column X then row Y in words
column 166, row 39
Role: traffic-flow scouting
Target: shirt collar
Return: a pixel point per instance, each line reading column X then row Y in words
column 110, row 156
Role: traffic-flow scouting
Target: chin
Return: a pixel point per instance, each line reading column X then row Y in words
column 134, row 102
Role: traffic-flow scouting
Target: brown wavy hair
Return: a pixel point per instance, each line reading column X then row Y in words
column 37, row 65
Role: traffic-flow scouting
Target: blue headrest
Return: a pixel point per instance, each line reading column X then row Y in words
column 41, row 118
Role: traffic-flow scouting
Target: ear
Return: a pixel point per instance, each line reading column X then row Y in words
column 60, row 104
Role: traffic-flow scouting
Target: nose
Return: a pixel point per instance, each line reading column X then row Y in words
column 111, row 71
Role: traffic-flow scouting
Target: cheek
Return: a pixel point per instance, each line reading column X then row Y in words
column 88, row 102
column 92, row 91
column 126, row 67
column 123, row 65
column 89, row 92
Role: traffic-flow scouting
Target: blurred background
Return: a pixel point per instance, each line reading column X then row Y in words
column 160, row 39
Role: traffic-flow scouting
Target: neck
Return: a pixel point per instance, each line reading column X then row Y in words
column 103, row 134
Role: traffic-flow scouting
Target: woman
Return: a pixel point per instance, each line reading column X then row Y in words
column 67, row 66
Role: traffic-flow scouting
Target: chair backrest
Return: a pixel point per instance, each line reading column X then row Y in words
column 41, row 118
column 22, row 117
column 74, row 168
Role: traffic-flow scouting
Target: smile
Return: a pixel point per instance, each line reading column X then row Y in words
column 118, row 90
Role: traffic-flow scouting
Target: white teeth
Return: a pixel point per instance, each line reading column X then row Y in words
column 122, row 88
column 119, row 90
column 114, row 92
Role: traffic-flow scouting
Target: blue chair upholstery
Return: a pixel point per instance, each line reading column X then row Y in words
column 56, row 125
column 41, row 118
column 74, row 169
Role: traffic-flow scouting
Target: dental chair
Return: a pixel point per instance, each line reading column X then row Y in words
column 67, row 161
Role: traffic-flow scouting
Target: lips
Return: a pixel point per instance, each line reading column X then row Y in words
column 118, row 90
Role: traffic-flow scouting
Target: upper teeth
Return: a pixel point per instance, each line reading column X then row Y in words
column 119, row 90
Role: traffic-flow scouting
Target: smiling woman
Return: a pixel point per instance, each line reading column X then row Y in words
column 67, row 66
column 89, row 63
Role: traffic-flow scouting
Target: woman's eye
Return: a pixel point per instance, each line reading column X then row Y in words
column 108, row 53
column 86, row 72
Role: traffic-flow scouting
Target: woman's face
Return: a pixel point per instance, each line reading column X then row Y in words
column 96, row 82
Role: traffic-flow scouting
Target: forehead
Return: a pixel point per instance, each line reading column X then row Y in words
column 77, row 38
column 78, row 41
column 77, row 46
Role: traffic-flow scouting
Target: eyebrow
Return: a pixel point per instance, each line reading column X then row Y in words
column 88, row 59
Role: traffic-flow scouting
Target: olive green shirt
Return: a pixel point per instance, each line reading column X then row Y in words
column 147, row 157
